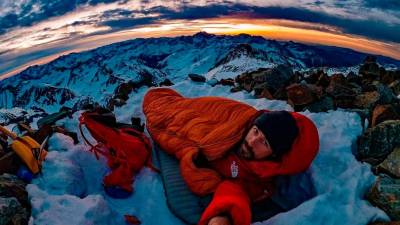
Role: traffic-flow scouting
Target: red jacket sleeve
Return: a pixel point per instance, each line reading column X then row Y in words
column 229, row 198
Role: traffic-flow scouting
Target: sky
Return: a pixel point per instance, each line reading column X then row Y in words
column 37, row 31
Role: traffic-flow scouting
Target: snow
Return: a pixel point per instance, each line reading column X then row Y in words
column 70, row 189
column 236, row 67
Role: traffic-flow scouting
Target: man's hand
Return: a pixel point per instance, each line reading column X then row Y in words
column 219, row 220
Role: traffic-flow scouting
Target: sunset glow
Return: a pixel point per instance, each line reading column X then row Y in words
column 90, row 26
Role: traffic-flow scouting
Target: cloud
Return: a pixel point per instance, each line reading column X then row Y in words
column 128, row 22
column 383, row 4
column 378, row 19
column 369, row 28
column 27, row 13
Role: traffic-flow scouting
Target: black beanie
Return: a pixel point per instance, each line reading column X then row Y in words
column 280, row 129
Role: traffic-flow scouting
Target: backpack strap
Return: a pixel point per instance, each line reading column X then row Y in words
column 143, row 138
column 147, row 144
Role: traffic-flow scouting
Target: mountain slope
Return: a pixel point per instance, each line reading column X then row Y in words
column 97, row 73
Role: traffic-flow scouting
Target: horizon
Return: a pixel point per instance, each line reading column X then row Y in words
column 43, row 35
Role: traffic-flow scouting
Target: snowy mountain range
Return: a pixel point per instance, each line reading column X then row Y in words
column 97, row 73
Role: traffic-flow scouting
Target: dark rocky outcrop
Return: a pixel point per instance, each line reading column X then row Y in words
column 378, row 142
column 14, row 203
column 391, row 165
column 382, row 113
column 197, row 77
column 385, row 194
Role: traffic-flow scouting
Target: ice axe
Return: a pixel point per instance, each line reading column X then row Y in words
column 30, row 152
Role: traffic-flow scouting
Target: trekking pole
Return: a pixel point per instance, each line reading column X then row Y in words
column 8, row 133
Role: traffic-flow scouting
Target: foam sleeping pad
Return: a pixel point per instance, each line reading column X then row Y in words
column 187, row 206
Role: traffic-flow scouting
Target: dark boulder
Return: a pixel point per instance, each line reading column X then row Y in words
column 382, row 113
column 227, row 82
column 370, row 69
column 12, row 213
column 9, row 162
column 274, row 78
column 385, row 193
column 281, row 94
column 391, row 165
column 166, row 82
column 354, row 78
column 261, row 91
column 367, row 100
column 323, row 105
column 323, row 80
column 196, row 77
column 302, row 94
column 342, row 94
column 338, row 78
column 395, row 86
column 388, row 77
column 11, row 186
column 378, row 142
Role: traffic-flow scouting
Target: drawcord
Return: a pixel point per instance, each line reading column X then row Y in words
column 96, row 150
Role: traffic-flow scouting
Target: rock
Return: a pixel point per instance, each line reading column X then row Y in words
column 379, row 141
column 343, row 95
column 382, row 113
column 323, row 105
column 197, row 77
column 12, row 213
column 245, row 81
column 385, row 223
column 313, row 77
column 389, row 77
column 300, row 94
column 367, row 100
column 166, row 82
column 338, row 78
column 323, row 80
column 84, row 103
column 227, row 82
column 235, row 89
column 395, row 86
column 336, row 89
column 11, row 186
column 123, row 90
column 274, row 78
column 354, row 78
column 297, row 77
column 9, row 163
column 386, row 94
column 368, row 87
column 248, row 85
column 369, row 70
column 385, row 193
column 280, row 94
column 261, row 91
column 391, row 165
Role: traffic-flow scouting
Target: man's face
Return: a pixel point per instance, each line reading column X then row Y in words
column 255, row 145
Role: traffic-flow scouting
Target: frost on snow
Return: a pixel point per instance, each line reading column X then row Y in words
column 70, row 188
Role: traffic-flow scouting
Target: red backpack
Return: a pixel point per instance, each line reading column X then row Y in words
column 126, row 148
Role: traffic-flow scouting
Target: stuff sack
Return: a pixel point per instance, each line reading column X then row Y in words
column 125, row 147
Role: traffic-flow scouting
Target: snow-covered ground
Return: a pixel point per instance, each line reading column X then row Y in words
column 70, row 190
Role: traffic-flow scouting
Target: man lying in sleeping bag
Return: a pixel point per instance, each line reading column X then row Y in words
column 229, row 148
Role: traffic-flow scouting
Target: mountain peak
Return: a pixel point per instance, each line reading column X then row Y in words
column 203, row 34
